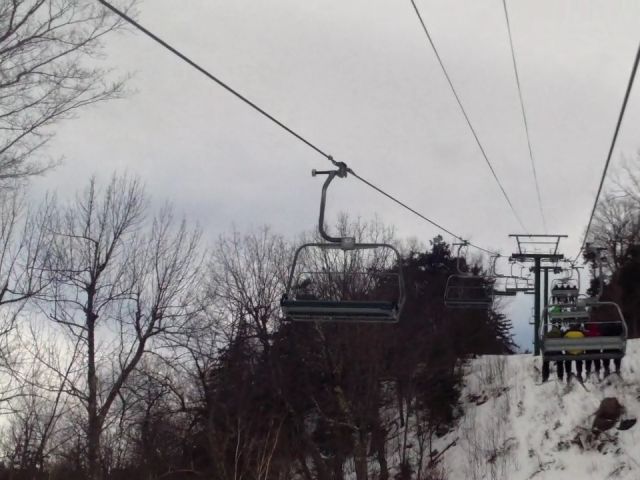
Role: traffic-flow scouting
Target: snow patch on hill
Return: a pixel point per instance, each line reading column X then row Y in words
column 515, row 428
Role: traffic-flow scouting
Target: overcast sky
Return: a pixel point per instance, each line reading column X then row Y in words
column 359, row 79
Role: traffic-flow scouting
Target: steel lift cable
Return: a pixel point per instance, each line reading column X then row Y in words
column 466, row 116
column 613, row 144
column 311, row 145
column 524, row 118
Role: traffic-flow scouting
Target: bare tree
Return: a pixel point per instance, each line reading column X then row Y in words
column 34, row 433
column 45, row 75
column 120, row 284
column 616, row 226
column 350, row 359
column 24, row 248
column 616, row 222
column 24, row 273
column 627, row 180
column 247, row 279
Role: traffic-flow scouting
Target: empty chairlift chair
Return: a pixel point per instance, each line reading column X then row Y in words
column 341, row 280
column 504, row 293
column 497, row 291
column 517, row 283
column 464, row 290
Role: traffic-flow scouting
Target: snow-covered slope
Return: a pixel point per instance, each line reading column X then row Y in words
column 515, row 428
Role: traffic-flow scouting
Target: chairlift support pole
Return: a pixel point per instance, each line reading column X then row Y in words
column 546, row 294
column 523, row 254
column 536, row 313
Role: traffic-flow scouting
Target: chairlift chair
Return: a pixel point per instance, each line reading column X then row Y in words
column 464, row 290
column 566, row 289
column 517, row 284
column 493, row 259
column 605, row 316
column 335, row 295
column 611, row 343
column 497, row 292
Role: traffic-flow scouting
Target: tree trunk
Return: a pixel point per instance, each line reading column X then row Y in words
column 338, row 467
column 321, row 470
column 360, row 457
column 382, row 460
column 94, row 424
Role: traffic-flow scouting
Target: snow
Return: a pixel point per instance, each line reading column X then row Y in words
column 515, row 428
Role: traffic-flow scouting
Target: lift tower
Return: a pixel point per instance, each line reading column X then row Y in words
column 537, row 248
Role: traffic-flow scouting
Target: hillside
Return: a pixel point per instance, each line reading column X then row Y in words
column 512, row 427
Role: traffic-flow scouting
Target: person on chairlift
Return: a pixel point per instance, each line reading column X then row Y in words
column 611, row 329
column 574, row 332
column 556, row 332
column 592, row 330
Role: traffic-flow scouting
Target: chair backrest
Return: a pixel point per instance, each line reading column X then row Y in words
column 322, row 286
column 468, row 291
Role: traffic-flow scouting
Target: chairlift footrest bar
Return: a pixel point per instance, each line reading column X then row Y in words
column 557, row 356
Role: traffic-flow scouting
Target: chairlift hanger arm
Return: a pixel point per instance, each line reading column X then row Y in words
column 342, row 173
column 492, row 265
column 460, row 246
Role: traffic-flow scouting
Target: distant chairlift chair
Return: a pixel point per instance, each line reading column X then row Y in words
column 340, row 295
column 565, row 290
column 464, row 290
column 497, row 292
column 517, row 283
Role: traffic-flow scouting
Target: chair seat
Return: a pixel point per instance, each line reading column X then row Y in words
column 564, row 293
column 581, row 315
column 505, row 293
column 354, row 311
column 468, row 303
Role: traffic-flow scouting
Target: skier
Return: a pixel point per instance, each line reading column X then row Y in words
column 555, row 332
column 574, row 332
column 592, row 330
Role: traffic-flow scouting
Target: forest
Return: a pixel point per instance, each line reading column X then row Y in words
column 132, row 351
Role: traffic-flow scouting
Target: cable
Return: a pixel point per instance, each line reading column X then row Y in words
column 128, row 19
column 464, row 112
column 613, row 144
column 524, row 117
column 391, row 197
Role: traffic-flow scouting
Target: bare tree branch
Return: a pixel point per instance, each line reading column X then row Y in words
column 46, row 75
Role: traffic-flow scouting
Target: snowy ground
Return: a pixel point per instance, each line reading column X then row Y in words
column 515, row 428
